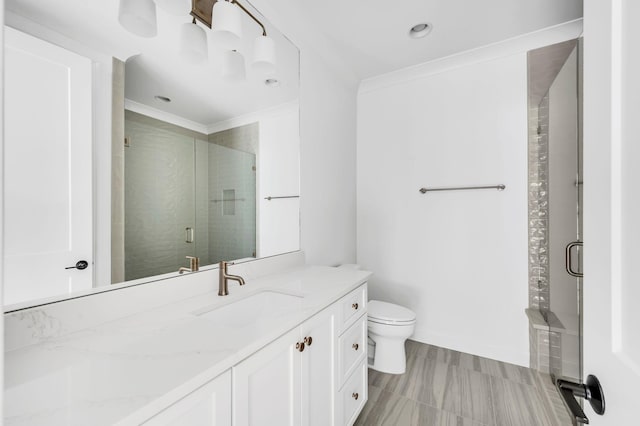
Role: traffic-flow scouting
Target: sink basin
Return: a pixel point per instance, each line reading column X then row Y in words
column 266, row 304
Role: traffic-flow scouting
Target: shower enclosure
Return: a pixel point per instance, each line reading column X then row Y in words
column 555, row 209
column 186, row 194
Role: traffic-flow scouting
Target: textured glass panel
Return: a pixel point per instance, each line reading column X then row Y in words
column 159, row 200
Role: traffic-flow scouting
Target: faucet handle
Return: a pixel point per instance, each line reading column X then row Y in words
column 194, row 263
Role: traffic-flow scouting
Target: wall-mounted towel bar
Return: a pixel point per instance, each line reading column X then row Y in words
column 460, row 188
column 277, row 198
column 230, row 199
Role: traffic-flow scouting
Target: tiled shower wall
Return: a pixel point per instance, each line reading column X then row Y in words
column 539, row 206
column 544, row 344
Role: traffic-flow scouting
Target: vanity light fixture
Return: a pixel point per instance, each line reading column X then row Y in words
column 193, row 43
column 420, row 30
column 139, row 17
column 233, row 66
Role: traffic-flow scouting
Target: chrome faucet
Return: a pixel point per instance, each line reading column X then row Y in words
column 194, row 265
column 224, row 277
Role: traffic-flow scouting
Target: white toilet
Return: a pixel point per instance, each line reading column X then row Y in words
column 389, row 326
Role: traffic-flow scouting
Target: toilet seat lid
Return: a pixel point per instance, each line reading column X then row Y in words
column 385, row 311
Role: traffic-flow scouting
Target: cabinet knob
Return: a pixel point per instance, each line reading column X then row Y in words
column 308, row 340
column 355, row 346
column 300, row 346
column 355, row 395
column 354, row 306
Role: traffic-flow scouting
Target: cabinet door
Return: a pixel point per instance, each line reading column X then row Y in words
column 208, row 406
column 266, row 386
column 319, row 370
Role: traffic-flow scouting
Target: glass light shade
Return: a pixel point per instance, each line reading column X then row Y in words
column 264, row 56
column 233, row 66
column 138, row 17
column 175, row 7
column 226, row 25
column 193, row 43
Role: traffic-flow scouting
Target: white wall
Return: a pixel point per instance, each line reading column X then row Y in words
column 328, row 134
column 458, row 259
column 279, row 176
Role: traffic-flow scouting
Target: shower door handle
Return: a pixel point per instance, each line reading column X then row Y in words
column 568, row 259
column 188, row 235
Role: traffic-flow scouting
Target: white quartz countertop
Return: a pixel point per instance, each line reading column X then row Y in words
column 124, row 371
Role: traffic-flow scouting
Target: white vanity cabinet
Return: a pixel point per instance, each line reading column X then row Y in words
column 288, row 384
column 291, row 381
column 210, row 405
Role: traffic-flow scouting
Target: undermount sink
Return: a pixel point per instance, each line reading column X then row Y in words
column 266, row 304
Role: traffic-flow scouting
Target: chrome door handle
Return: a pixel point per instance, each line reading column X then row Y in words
column 568, row 260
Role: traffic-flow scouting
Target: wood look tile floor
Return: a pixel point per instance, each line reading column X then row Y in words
column 443, row 387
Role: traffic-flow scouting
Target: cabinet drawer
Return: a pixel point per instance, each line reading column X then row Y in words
column 354, row 395
column 352, row 348
column 352, row 306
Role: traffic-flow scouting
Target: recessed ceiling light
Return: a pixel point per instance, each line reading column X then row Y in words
column 420, row 30
column 162, row 98
column 272, row 82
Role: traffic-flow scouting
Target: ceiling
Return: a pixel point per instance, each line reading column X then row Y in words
column 368, row 38
column 372, row 36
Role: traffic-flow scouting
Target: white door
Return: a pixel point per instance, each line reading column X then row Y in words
column 612, row 206
column 266, row 386
column 47, row 166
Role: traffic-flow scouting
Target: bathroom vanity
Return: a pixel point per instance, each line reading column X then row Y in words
column 288, row 348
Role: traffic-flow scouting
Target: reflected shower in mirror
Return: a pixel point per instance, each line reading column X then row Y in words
column 141, row 157
column 187, row 194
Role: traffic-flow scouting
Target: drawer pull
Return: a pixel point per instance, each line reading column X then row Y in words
column 355, row 395
column 355, row 306
column 355, row 346
column 308, row 340
column 300, row 346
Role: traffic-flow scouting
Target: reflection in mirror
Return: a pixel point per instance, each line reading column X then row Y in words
column 197, row 157
column 187, row 194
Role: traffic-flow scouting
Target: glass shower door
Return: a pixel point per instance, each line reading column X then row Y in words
column 565, row 221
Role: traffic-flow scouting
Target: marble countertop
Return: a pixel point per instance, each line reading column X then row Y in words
column 124, row 371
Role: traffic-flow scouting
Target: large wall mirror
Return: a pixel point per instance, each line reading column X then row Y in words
column 201, row 139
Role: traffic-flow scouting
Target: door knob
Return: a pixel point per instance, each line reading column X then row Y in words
column 308, row 340
column 300, row 346
column 591, row 391
column 80, row 264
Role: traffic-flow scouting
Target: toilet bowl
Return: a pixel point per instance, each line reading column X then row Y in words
column 389, row 326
